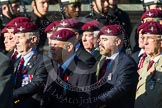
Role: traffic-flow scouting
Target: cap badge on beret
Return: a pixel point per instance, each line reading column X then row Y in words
column 64, row 24
column 108, row 31
column 20, row 28
column 152, row 29
column 15, row 24
column 58, row 37
column 62, row 35
column 53, row 29
column 150, row 14
column 89, row 27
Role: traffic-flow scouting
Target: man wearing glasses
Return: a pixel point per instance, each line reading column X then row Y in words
column 148, row 93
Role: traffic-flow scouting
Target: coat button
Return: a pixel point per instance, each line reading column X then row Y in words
column 140, row 78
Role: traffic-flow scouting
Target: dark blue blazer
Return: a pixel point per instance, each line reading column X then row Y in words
column 30, row 94
column 119, row 91
column 135, row 56
column 85, row 56
column 80, row 75
column 6, row 84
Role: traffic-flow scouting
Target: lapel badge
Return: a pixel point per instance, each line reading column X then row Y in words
column 29, row 65
column 109, row 77
column 151, row 87
column 153, row 83
column 15, row 24
column 14, row 69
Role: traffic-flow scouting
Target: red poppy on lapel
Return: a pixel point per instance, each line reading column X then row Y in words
column 66, row 78
column 30, row 77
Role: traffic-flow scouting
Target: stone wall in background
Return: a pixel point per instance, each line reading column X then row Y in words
column 87, row 1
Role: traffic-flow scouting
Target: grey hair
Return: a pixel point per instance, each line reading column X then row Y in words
column 30, row 34
column 35, row 33
column 96, row 33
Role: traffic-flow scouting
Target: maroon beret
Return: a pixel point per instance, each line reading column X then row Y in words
column 141, row 26
column 52, row 27
column 4, row 30
column 70, row 23
column 152, row 28
column 22, row 24
column 62, row 35
column 153, row 13
column 91, row 26
column 25, row 27
column 15, row 22
column 111, row 30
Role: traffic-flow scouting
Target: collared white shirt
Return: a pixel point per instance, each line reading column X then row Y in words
column 113, row 56
column 28, row 57
column 141, row 52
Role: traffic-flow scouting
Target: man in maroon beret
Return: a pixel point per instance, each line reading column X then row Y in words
column 148, row 4
column 52, row 27
column 10, row 39
column 117, row 69
column 139, row 56
column 62, row 36
column 150, row 73
column 71, row 72
column 30, row 71
column 89, row 38
column 75, row 26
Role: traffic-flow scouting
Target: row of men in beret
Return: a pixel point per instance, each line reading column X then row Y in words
column 148, row 59
column 64, row 54
column 78, row 70
column 72, row 73
column 148, row 5
column 150, row 15
column 73, row 69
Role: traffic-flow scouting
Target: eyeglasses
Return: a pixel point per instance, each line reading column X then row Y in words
column 151, row 38
column 151, row 19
